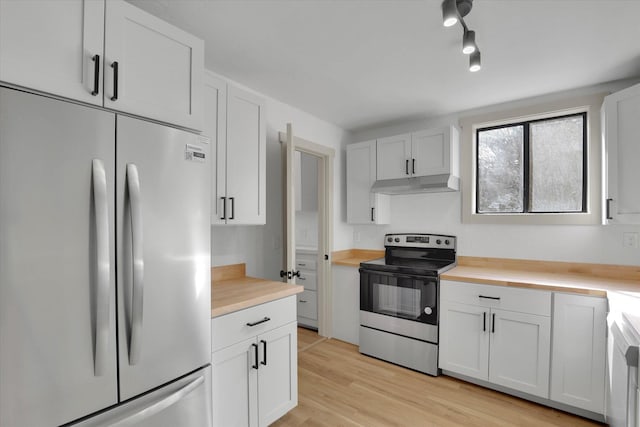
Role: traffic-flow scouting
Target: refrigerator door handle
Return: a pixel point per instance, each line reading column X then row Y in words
column 161, row 405
column 103, row 267
column 135, row 340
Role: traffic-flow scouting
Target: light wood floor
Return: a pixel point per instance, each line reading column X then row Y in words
column 337, row 386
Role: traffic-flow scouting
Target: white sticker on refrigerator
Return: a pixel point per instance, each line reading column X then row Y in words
column 194, row 153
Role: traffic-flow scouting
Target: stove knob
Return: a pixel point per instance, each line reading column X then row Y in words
column 389, row 239
column 446, row 242
column 438, row 241
column 397, row 239
column 428, row 310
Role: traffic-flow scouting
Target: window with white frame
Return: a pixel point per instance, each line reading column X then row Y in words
column 532, row 166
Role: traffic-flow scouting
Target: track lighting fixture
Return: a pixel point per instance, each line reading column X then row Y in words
column 454, row 11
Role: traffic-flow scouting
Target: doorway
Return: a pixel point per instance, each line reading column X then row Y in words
column 308, row 226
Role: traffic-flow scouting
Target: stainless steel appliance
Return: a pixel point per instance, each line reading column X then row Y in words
column 104, row 268
column 399, row 300
column 622, row 393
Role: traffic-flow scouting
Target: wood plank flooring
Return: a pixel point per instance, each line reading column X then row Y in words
column 337, row 386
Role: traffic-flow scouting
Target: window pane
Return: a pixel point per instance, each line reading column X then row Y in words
column 556, row 165
column 500, row 170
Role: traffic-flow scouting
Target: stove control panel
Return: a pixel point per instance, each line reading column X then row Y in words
column 420, row 241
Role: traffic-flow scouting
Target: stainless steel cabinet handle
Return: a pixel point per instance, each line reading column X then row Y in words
column 161, row 405
column 103, row 268
column 137, row 297
column 96, row 75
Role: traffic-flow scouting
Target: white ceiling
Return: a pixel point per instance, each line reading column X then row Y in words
column 357, row 63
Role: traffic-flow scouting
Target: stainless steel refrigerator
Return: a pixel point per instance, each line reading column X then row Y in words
column 104, row 268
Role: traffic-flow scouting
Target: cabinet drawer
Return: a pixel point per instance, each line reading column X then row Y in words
column 232, row 328
column 306, row 264
column 506, row 298
column 308, row 280
column 308, row 304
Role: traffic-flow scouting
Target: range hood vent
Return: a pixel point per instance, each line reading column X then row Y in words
column 421, row 184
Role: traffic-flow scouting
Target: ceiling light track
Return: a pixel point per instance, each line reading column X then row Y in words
column 454, row 11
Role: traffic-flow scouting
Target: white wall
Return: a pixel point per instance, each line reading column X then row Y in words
column 261, row 246
column 441, row 212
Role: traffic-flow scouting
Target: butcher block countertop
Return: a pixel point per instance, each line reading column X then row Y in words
column 232, row 290
column 587, row 279
column 353, row 257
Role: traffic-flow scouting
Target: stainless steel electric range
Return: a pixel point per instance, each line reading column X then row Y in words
column 399, row 300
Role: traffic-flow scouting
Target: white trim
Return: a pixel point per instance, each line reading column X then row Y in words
column 591, row 105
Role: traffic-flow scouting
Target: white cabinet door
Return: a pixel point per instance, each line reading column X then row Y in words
column 520, row 351
column 464, row 339
column 394, row 157
column 346, row 304
column 235, row 385
column 363, row 206
column 620, row 113
column 431, row 152
column 215, row 127
column 246, row 149
column 278, row 373
column 50, row 46
column 579, row 348
column 158, row 68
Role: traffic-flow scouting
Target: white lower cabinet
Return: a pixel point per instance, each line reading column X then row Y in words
column 579, row 351
column 495, row 334
column 255, row 379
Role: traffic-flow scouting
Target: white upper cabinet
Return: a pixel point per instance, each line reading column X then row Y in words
column 71, row 48
column 363, row 206
column 52, row 46
column 621, row 144
column 424, row 153
column 235, row 121
column 152, row 68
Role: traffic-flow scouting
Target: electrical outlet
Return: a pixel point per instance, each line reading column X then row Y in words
column 356, row 236
column 630, row 240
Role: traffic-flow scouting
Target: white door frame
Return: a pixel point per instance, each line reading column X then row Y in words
column 326, row 156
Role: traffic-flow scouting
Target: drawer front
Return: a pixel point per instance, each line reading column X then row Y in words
column 308, row 304
column 308, row 280
column 502, row 297
column 305, row 264
column 233, row 327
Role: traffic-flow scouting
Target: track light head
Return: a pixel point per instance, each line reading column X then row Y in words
column 474, row 62
column 449, row 13
column 469, row 42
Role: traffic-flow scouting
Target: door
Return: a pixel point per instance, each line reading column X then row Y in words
column 290, row 206
column 464, row 339
column 520, row 351
column 393, row 158
column 278, row 373
column 246, row 150
column 57, row 270
column 430, row 151
column 164, row 285
column 235, row 385
column 52, row 46
column 152, row 68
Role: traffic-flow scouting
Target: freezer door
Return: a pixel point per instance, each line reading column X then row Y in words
column 183, row 403
column 57, row 275
column 164, row 265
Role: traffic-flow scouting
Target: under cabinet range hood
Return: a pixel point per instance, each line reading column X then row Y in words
column 420, row 184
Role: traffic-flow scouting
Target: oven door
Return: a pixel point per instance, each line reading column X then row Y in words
column 409, row 297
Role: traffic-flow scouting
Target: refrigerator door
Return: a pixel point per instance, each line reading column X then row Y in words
column 57, row 275
column 183, row 403
column 164, row 265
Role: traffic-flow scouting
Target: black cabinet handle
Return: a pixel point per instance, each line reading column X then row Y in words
column 406, row 167
column 96, row 75
column 486, row 297
column 224, row 208
column 255, row 353
column 484, row 321
column 413, row 167
column 115, row 81
column 233, row 207
column 493, row 324
column 264, row 352
column 303, row 300
column 266, row 319
column 372, row 209
column 608, row 214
